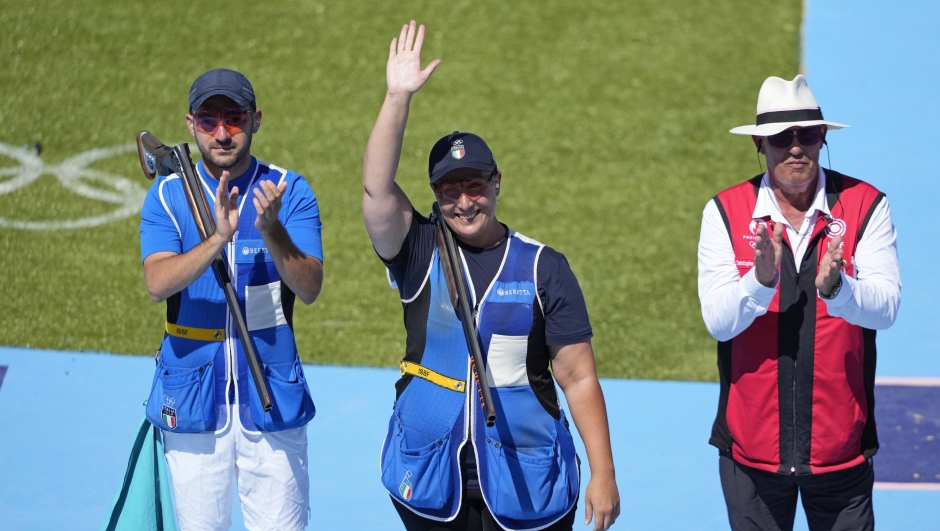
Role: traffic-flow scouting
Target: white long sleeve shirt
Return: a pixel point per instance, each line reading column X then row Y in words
column 730, row 302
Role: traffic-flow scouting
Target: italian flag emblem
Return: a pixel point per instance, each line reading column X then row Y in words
column 457, row 150
column 169, row 417
column 405, row 488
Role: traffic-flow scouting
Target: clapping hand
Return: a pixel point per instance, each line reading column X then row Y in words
column 226, row 209
column 403, row 73
column 768, row 250
column 267, row 202
column 830, row 268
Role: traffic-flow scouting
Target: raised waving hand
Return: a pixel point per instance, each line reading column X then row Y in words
column 403, row 72
column 385, row 206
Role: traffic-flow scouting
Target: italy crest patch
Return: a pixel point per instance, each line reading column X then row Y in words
column 457, row 149
column 405, row 488
column 169, row 416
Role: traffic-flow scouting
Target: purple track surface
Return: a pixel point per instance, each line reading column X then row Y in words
column 909, row 432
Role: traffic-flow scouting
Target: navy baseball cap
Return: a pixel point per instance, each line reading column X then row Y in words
column 225, row 82
column 459, row 150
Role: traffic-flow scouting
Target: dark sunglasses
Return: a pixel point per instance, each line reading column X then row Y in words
column 473, row 189
column 807, row 136
column 232, row 119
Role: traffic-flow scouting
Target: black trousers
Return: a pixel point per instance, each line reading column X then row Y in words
column 765, row 501
column 473, row 516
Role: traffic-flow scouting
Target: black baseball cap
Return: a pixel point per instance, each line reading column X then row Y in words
column 459, row 150
column 225, row 82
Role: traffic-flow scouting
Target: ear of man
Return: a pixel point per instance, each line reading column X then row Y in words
column 256, row 121
column 758, row 143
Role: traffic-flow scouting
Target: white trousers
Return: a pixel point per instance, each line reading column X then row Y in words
column 270, row 470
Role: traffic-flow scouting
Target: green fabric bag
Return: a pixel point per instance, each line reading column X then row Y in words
column 144, row 503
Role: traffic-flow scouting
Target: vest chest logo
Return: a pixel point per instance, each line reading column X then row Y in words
column 836, row 227
column 251, row 251
column 752, row 227
column 514, row 292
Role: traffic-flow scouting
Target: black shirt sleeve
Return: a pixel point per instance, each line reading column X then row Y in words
column 566, row 315
column 409, row 268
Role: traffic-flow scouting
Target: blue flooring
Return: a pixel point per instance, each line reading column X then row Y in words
column 67, row 422
column 873, row 65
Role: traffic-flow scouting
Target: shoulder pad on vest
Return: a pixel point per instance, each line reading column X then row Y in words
column 278, row 169
column 525, row 238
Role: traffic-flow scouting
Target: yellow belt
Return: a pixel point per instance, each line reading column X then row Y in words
column 435, row 378
column 199, row 334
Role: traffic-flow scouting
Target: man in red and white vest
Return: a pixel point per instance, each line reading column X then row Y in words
column 797, row 269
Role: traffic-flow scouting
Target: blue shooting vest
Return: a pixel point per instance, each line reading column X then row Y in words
column 196, row 380
column 527, row 464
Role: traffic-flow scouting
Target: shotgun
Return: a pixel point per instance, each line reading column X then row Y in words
column 460, row 297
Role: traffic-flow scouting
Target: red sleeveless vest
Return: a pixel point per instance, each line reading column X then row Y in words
column 797, row 386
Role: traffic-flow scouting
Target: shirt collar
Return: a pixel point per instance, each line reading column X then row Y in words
column 201, row 169
column 767, row 202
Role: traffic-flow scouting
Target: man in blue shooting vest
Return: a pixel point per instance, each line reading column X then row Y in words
column 216, row 433
column 443, row 467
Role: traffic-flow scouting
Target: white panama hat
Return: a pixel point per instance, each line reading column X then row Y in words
column 781, row 104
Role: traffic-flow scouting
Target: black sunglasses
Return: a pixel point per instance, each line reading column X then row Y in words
column 806, row 136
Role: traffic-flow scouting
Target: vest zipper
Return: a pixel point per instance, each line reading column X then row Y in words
column 813, row 241
column 234, row 274
column 793, row 425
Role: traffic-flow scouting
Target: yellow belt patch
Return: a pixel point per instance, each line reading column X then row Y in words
column 424, row 373
column 199, row 334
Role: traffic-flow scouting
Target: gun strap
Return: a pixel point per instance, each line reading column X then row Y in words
column 199, row 334
column 407, row 367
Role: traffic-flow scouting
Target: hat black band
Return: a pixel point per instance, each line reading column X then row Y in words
column 800, row 115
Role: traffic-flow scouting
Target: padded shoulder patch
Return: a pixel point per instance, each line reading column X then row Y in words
column 526, row 239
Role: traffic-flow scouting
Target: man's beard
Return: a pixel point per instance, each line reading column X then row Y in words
column 240, row 153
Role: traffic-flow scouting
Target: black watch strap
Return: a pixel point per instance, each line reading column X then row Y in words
column 835, row 290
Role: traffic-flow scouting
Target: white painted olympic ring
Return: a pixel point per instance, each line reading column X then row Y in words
column 74, row 174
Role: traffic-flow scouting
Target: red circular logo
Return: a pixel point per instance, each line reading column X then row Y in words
column 754, row 224
column 836, row 227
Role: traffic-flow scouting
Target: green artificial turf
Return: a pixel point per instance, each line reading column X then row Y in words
column 609, row 120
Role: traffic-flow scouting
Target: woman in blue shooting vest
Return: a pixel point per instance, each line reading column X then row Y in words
column 443, row 467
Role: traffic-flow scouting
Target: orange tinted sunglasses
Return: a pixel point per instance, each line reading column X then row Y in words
column 208, row 121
